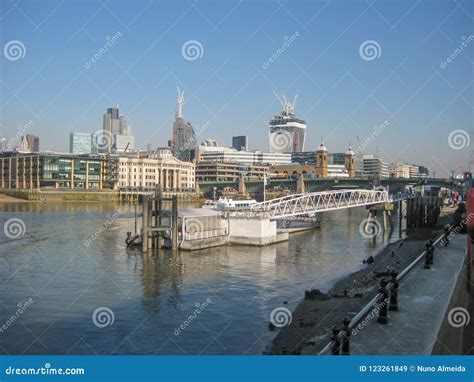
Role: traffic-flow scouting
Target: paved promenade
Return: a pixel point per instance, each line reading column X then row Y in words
column 427, row 298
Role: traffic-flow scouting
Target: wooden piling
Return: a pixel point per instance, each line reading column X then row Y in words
column 174, row 224
column 145, row 225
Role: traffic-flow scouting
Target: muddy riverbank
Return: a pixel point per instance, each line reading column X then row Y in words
column 312, row 320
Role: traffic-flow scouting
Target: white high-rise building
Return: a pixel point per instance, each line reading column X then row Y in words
column 287, row 132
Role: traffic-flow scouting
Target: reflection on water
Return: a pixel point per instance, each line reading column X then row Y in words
column 72, row 260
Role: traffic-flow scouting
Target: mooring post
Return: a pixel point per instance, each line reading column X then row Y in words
column 394, row 292
column 160, row 206
column 383, row 311
column 400, row 217
column 336, row 345
column 145, row 224
column 174, row 224
column 346, row 338
column 150, row 221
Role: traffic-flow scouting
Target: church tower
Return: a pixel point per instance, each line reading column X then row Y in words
column 350, row 162
column 322, row 159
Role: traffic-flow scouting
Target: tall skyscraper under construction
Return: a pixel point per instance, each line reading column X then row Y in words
column 183, row 139
column 287, row 133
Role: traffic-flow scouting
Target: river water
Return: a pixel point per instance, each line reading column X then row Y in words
column 72, row 262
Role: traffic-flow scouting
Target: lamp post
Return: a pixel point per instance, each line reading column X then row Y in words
column 265, row 186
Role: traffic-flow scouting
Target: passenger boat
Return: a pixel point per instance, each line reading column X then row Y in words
column 226, row 203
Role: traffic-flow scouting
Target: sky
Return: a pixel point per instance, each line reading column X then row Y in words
column 395, row 76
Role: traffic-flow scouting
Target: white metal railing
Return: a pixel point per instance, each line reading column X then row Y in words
column 301, row 204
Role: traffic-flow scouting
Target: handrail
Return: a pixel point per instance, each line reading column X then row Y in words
column 371, row 305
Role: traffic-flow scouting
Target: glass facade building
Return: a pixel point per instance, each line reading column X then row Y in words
column 81, row 143
column 56, row 171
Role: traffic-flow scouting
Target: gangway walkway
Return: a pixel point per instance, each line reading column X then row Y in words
column 314, row 202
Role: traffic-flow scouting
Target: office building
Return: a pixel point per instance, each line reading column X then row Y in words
column 405, row 170
column 82, row 143
column 50, row 171
column 223, row 172
column 209, row 150
column 240, row 143
column 29, row 143
column 117, row 134
column 374, row 166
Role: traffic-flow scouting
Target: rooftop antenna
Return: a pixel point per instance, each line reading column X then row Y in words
column 180, row 103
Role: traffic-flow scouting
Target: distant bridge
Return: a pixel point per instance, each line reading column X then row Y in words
column 321, row 184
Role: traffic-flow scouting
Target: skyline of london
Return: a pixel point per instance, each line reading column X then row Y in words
column 410, row 69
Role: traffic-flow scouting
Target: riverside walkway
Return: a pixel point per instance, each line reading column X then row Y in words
column 434, row 316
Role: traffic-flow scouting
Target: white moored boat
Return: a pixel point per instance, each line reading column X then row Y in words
column 225, row 203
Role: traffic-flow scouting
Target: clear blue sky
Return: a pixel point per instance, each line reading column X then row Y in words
column 340, row 94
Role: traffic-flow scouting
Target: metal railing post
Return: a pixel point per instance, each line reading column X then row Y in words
column 427, row 256
column 394, row 292
column 383, row 311
column 336, row 346
column 346, row 334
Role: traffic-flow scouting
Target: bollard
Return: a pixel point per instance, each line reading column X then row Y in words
column 427, row 256
column 431, row 252
column 383, row 316
column 346, row 337
column 336, row 346
column 394, row 292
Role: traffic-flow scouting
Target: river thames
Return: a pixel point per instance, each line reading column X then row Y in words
column 72, row 287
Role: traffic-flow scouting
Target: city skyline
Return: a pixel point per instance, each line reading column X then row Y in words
column 344, row 91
